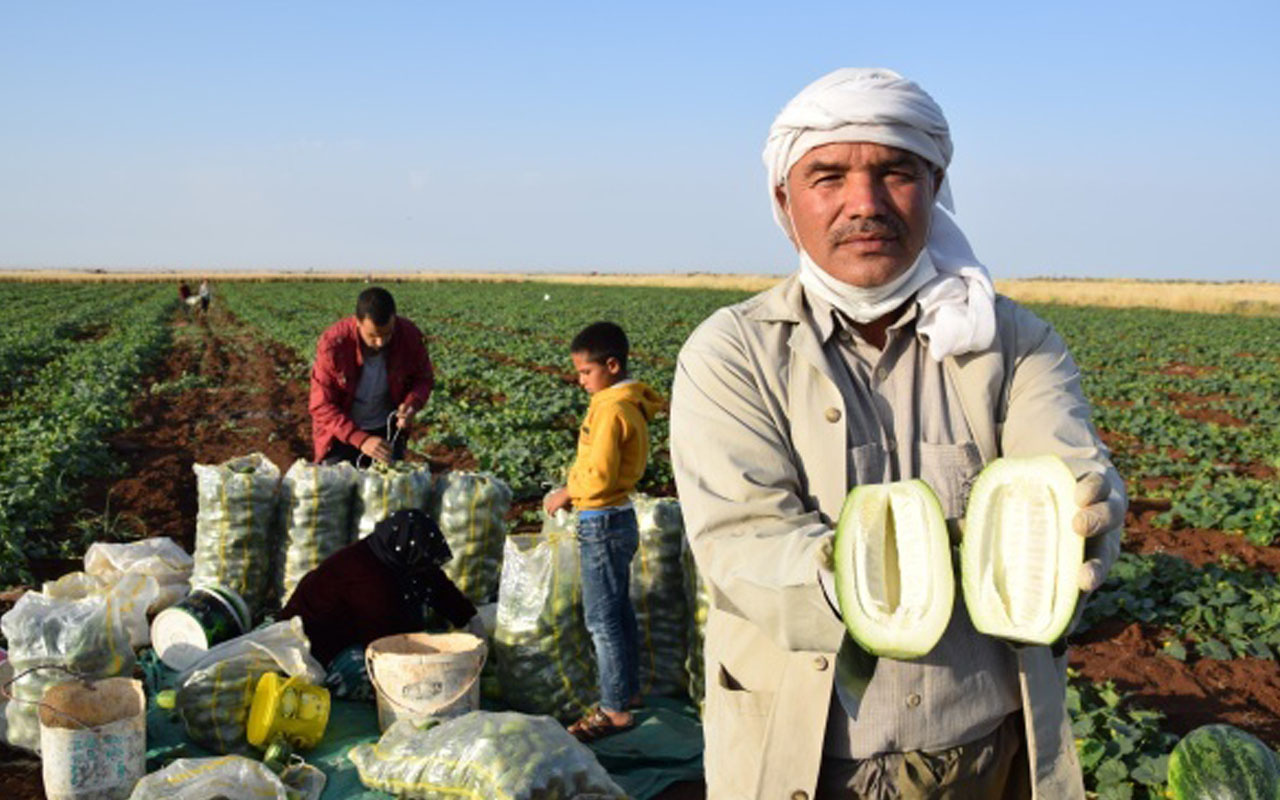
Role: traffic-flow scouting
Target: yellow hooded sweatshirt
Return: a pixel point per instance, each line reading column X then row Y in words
column 613, row 445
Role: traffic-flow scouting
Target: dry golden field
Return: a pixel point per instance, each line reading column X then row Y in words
column 1252, row 298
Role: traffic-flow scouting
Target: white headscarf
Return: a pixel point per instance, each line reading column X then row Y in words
column 954, row 290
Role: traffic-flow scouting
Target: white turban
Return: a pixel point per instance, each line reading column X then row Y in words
column 954, row 290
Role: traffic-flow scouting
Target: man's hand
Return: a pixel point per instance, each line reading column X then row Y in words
column 1101, row 511
column 826, row 558
column 555, row 501
column 375, row 447
column 404, row 415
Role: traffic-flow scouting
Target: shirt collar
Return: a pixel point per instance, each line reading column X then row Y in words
column 830, row 321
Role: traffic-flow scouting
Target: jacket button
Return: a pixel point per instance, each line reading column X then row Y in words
column 820, row 663
column 833, row 414
column 799, row 794
column 913, row 700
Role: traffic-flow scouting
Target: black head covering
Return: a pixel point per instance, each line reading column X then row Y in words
column 410, row 543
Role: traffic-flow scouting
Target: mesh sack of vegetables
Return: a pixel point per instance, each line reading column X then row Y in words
column 383, row 489
column 215, row 693
column 658, row 595
column 315, row 510
column 697, row 600
column 503, row 756
column 51, row 636
column 543, row 653
column 234, row 526
column 131, row 594
column 469, row 507
column 229, row 776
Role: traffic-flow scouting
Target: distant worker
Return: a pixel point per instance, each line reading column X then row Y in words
column 184, row 295
column 371, row 375
column 379, row 586
column 205, row 295
column 613, row 448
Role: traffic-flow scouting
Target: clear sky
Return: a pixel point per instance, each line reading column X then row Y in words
column 1134, row 139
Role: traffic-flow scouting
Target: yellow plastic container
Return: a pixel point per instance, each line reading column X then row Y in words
column 289, row 708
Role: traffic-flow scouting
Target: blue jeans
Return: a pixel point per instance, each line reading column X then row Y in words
column 607, row 541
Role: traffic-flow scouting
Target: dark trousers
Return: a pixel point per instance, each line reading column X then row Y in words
column 341, row 451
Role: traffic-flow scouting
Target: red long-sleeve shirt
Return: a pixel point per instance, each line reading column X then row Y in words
column 336, row 374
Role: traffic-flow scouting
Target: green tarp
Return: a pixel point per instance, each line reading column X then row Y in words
column 664, row 747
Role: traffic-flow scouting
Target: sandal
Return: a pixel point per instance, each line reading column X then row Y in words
column 596, row 724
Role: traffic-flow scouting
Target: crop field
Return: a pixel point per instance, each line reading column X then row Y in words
column 110, row 392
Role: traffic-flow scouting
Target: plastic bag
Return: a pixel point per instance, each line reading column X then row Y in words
column 383, row 489
column 315, row 504
column 544, row 655
column 233, row 530
column 160, row 557
column 698, row 603
column 215, row 693
column 228, row 776
column 469, row 507
column 658, row 595
column 131, row 593
column 483, row 754
column 84, row 636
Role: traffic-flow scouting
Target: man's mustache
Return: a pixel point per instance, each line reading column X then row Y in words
column 868, row 227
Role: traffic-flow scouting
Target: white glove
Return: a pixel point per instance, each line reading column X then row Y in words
column 1101, row 511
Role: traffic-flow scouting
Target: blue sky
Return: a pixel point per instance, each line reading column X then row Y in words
column 1092, row 139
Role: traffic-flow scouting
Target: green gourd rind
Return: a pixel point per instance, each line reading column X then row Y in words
column 893, row 571
column 1222, row 761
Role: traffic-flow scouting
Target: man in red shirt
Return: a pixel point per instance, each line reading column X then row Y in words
column 370, row 368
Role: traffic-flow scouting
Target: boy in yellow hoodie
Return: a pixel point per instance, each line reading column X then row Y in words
column 613, row 447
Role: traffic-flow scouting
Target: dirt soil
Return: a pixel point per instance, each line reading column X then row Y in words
column 1200, row 546
column 1244, row 692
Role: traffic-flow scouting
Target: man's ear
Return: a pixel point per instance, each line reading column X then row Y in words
column 780, row 196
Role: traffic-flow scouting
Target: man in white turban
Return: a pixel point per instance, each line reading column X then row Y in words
column 886, row 356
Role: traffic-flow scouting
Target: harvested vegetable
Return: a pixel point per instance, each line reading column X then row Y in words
column 469, row 508
column 1222, row 761
column 54, row 636
column 234, row 527
column 383, row 489
column 698, row 602
column 544, row 655
column 215, row 694
column 658, row 595
column 1020, row 557
column 893, row 570
column 498, row 756
column 315, row 503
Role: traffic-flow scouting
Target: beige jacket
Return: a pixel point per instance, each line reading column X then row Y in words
column 759, row 448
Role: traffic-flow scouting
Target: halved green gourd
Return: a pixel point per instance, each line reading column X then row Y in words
column 894, row 580
column 1020, row 557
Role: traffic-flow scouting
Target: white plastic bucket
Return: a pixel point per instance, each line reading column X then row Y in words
column 209, row 615
column 93, row 739
column 420, row 675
